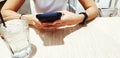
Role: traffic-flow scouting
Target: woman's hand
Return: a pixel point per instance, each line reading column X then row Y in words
column 67, row 18
column 32, row 20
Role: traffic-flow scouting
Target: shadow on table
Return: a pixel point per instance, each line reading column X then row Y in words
column 53, row 37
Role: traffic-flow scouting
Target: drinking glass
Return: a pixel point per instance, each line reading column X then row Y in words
column 16, row 36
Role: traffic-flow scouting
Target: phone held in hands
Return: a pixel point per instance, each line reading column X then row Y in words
column 49, row 17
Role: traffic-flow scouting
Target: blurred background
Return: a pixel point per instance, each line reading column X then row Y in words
column 107, row 8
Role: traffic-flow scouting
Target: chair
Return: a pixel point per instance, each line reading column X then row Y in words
column 109, row 9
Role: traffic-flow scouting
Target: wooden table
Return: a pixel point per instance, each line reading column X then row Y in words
column 99, row 39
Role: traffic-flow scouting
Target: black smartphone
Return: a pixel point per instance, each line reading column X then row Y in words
column 49, row 17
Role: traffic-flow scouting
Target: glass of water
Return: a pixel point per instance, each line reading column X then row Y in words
column 16, row 36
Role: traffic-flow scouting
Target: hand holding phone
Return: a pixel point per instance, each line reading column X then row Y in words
column 49, row 17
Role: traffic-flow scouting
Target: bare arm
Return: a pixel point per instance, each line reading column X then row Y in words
column 70, row 18
column 11, row 7
column 90, row 8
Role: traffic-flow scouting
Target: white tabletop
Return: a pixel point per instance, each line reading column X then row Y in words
column 99, row 39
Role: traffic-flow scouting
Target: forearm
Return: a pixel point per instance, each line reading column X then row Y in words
column 11, row 7
column 92, row 13
column 10, row 13
column 90, row 8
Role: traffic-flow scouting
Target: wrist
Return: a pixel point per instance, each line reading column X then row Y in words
column 85, row 17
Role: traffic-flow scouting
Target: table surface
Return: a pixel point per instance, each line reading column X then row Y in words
column 99, row 39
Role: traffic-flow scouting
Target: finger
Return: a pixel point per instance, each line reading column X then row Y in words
column 49, row 28
column 52, row 26
column 47, row 23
